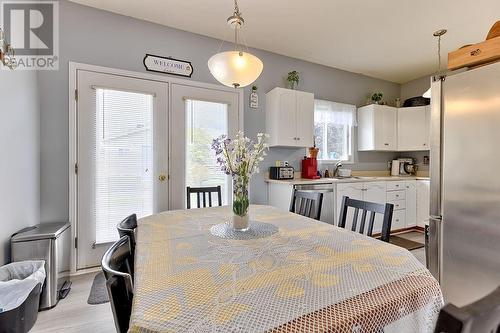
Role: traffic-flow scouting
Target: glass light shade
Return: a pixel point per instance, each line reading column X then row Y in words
column 235, row 68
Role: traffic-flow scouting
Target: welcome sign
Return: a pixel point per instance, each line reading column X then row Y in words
column 168, row 65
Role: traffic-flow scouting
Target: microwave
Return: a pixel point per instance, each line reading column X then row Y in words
column 281, row 172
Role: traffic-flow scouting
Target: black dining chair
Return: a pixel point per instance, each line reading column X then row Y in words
column 374, row 208
column 482, row 316
column 306, row 203
column 127, row 227
column 116, row 266
column 201, row 196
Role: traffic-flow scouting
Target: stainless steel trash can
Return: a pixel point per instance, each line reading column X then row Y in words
column 50, row 242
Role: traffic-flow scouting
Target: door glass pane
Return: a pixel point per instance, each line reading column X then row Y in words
column 204, row 122
column 123, row 159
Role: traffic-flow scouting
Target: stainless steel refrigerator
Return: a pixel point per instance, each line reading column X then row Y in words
column 464, row 229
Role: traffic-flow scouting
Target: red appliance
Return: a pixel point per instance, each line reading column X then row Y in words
column 310, row 168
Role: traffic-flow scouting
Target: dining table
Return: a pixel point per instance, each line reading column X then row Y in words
column 301, row 275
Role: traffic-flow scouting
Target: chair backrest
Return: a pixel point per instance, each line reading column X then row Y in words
column 201, row 196
column 127, row 227
column 482, row 316
column 116, row 266
column 306, row 203
column 374, row 208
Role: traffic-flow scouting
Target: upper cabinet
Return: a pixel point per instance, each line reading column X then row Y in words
column 290, row 118
column 377, row 128
column 413, row 128
column 382, row 127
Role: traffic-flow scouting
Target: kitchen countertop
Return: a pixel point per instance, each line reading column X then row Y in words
column 355, row 179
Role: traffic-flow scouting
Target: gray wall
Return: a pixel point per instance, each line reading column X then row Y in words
column 19, row 148
column 101, row 38
column 415, row 88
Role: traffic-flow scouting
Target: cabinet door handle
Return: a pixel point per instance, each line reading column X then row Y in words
column 298, row 138
column 386, row 144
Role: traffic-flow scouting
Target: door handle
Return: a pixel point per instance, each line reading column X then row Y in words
column 162, row 178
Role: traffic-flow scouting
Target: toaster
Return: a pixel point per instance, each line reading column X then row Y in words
column 281, row 172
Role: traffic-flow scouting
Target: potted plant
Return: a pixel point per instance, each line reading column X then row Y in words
column 240, row 159
column 377, row 97
column 293, row 79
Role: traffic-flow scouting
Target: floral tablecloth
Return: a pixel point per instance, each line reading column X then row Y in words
column 308, row 277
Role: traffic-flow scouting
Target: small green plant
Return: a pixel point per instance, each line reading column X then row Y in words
column 293, row 79
column 377, row 97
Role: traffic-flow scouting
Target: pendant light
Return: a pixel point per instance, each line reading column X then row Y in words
column 437, row 34
column 235, row 68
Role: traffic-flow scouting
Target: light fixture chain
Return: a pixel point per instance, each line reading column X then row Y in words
column 236, row 8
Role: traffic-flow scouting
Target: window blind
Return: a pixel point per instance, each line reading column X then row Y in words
column 335, row 113
column 123, row 158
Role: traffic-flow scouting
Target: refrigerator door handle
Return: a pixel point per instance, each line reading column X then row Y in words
column 434, row 246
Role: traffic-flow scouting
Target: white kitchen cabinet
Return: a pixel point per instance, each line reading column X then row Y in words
column 290, row 118
column 423, row 202
column 279, row 195
column 377, row 128
column 413, row 128
column 411, row 203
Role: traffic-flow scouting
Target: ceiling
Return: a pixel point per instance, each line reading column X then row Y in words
column 386, row 39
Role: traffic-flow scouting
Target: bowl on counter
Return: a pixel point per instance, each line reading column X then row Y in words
column 344, row 173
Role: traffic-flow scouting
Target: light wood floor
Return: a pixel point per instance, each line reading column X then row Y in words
column 73, row 314
column 416, row 237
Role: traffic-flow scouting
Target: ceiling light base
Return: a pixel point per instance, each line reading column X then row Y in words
column 235, row 21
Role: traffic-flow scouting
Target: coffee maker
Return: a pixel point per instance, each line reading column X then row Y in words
column 310, row 164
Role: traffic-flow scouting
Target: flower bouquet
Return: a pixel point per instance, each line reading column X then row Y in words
column 240, row 158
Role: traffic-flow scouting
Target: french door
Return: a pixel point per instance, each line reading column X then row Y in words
column 122, row 156
column 199, row 115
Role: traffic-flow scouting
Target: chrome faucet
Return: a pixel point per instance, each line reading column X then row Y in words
column 338, row 165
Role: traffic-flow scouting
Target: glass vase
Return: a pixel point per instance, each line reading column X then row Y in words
column 240, row 204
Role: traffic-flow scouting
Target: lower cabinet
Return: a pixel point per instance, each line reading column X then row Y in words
column 279, row 195
column 423, row 202
column 411, row 203
column 402, row 194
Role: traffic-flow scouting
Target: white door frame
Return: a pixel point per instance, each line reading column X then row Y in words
column 72, row 97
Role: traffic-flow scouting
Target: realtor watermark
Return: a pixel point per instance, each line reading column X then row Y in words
column 32, row 29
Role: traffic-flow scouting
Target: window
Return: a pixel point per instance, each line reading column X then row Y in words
column 333, row 129
column 204, row 122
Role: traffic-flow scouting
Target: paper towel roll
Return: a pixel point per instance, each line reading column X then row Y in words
column 395, row 168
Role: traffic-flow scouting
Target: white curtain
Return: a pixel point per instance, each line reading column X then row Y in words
column 336, row 113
